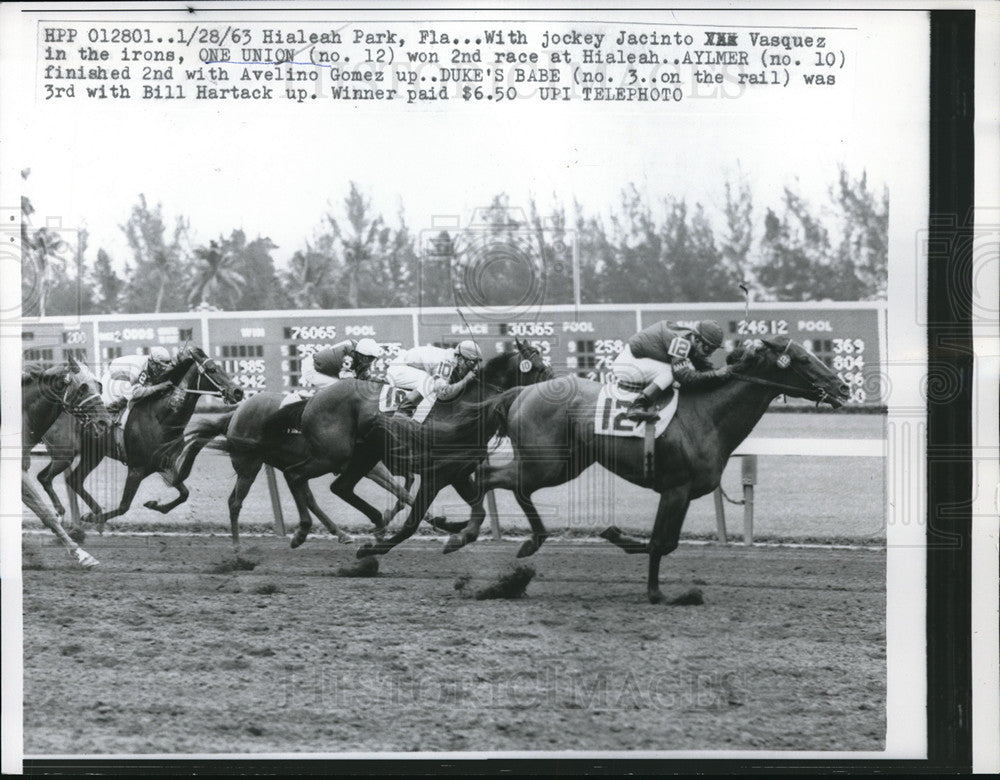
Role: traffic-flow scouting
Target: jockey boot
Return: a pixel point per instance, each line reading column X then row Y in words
column 639, row 410
column 409, row 404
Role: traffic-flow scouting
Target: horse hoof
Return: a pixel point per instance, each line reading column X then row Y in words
column 345, row 539
column 527, row 549
column 365, row 551
column 297, row 540
column 610, row 533
column 85, row 559
column 78, row 535
column 455, row 542
column 152, row 505
column 656, row 597
column 88, row 518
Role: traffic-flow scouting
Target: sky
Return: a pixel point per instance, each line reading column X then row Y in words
column 277, row 172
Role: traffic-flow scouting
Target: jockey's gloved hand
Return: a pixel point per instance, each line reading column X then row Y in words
column 723, row 373
column 162, row 388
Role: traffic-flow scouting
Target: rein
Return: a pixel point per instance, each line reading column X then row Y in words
column 755, row 380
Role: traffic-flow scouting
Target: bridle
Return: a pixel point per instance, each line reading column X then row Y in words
column 78, row 408
column 816, row 390
column 200, row 365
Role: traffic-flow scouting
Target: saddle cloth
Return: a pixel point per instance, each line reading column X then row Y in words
column 290, row 398
column 391, row 397
column 612, row 404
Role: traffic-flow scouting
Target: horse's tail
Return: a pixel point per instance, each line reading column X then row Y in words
column 210, row 426
column 453, row 440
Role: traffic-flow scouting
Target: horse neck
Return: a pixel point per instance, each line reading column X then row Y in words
column 40, row 411
column 183, row 403
column 735, row 409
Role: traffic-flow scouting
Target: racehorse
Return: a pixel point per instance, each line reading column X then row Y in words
column 551, row 427
column 253, row 438
column 45, row 395
column 151, row 441
column 333, row 424
column 447, row 448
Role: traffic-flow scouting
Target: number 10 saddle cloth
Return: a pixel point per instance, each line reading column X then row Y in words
column 613, row 403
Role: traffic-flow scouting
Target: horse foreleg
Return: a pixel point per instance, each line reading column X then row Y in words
column 421, row 502
column 182, row 496
column 629, row 544
column 35, row 503
column 299, row 486
column 343, row 486
column 74, row 482
column 55, row 467
column 342, row 536
column 472, row 494
column 666, row 535
column 132, row 480
column 382, row 477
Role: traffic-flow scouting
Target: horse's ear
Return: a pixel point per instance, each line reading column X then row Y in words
column 518, row 344
column 73, row 365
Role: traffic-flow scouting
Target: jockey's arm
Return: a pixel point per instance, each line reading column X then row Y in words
column 149, row 391
column 686, row 375
column 446, row 392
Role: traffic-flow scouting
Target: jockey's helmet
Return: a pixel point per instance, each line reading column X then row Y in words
column 160, row 356
column 158, row 361
column 469, row 351
column 368, row 348
column 710, row 334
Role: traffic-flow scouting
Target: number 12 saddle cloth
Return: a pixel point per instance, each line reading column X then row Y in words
column 612, row 405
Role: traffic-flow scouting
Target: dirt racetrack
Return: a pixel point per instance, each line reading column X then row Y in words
column 167, row 649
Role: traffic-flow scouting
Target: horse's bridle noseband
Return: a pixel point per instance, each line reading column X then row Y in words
column 814, row 388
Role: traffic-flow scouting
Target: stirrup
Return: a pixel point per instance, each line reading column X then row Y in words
column 641, row 415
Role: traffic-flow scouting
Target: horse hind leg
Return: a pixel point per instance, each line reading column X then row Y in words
column 244, row 481
column 34, row 502
column 342, row 536
column 472, row 494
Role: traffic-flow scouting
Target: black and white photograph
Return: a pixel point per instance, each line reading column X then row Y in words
column 486, row 383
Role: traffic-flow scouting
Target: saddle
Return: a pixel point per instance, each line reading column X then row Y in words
column 391, row 397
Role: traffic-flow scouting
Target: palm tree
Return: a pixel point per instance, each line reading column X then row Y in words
column 216, row 274
column 43, row 250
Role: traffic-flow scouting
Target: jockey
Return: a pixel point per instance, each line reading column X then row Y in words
column 136, row 377
column 429, row 370
column 346, row 360
column 664, row 354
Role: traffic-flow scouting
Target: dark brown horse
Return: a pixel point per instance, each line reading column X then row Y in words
column 152, row 439
column 255, row 435
column 46, row 394
column 446, row 449
column 327, row 434
column 551, row 428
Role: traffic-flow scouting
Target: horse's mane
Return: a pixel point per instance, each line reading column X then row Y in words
column 180, row 368
column 748, row 354
column 32, row 371
column 496, row 365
